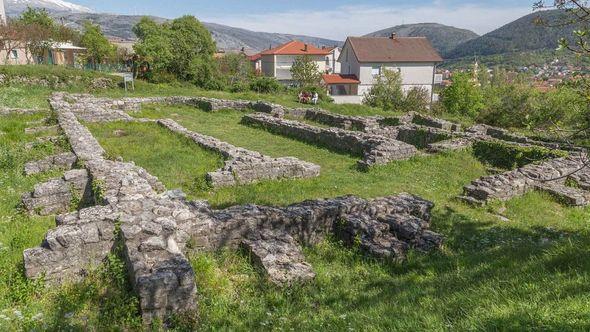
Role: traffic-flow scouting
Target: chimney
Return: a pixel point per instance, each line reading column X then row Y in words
column 305, row 48
column 393, row 35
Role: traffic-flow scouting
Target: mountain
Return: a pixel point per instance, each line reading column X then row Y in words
column 521, row 35
column 15, row 7
column 443, row 37
column 227, row 38
column 119, row 26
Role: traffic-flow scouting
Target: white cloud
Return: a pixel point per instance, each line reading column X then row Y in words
column 359, row 20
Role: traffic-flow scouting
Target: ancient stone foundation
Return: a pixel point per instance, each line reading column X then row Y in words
column 550, row 176
column 155, row 228
column 374, row 149
column 243, row 166
column 64, row 161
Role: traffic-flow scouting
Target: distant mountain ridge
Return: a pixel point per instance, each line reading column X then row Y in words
column 227, row 38
column 443, row 37
column 518, row 36
column 15, row 7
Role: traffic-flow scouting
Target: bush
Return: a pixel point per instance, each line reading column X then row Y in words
column 463, row 96
column 510, row 105
column 417, row 100
column 265, row 85
column 238, row 87
column 387, row 92
column 511, row 156
column 161, row 77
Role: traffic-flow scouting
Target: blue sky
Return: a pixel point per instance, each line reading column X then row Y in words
column 327, row 18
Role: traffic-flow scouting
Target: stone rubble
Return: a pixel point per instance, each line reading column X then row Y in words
column 550, row 176
column 243, row 166
column 63, row 161
column 374, row 149
column 57, row 195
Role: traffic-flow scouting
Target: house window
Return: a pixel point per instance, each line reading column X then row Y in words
column 376, row 71
column 14, row 54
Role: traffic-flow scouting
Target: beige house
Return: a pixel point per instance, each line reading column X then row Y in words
column 63, row 54
column 277, row 62
column 365, row 59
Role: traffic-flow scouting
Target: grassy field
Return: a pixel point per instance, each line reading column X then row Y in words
column 529, row 273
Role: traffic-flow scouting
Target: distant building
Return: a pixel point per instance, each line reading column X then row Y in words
column 363, row 59
column 56, row 54
column 256, row 61
column 332, row 64
column 277, row 62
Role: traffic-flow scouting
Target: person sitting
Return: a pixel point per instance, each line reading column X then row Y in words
column 315, row 98
column 300, row 96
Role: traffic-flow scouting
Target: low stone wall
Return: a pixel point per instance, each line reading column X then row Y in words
column 243, row 166
column 483, row 130
column 63, row 161
column 57, row 195
column 550, row 176
column 428, row 121
column 374, row 149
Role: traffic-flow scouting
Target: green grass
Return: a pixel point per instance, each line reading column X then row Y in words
column 529, row 273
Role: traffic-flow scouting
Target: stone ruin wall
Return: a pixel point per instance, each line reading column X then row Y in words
column 243, row 166
column 374, row 149
column 550, row 176
column 156, row 227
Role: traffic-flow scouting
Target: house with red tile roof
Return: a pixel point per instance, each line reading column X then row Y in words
column 364, row 59
column 277, row 62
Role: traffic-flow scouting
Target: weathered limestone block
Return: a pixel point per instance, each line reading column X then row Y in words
column 375, row 149
column 517, row 182
column 244, row 166
column 450, row 145
column 161, row 275
column 568, row 195
column 70, row 250
column 84, row 145
column 280, row 257
column 57, row 195
column 425, row 120
column 64, row 161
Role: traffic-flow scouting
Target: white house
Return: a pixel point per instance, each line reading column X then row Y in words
column 332, row 64
column 277, row 62
column 363, row 59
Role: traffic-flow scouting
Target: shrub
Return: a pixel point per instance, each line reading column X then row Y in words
column 265, row 85
column 387, row 92
column 238, row 87
column 509, row 105
column 510, row 156
column 463, row 96
column 161, row 76
column 417, row 100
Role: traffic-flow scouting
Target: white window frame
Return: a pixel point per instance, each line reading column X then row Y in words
column 14, row 54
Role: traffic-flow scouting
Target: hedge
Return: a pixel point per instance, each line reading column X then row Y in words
column 510, row 156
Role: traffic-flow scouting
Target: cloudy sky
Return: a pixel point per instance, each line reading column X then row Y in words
column 334, row 19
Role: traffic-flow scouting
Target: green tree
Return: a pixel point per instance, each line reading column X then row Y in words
column 463, row 96
column 98, row 47
column 37, row 16
column 236, row 70
column 183, row 47
column 306, row 72
column 387, row 92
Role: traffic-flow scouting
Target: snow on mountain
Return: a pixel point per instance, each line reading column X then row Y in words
column 15, row 7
